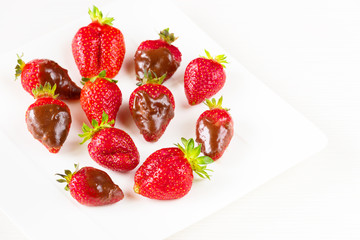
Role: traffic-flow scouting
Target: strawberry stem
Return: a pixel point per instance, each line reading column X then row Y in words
column 219, row 58
column 102, row 75
column 67, row 176
column 97, row 15
column 198, row 164
column 148, row 78
column 166, row 36
column 88, row 132
column 20, row 66
column 45, row 91
column 213, row 104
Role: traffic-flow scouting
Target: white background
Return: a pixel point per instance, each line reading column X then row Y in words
column 308, row 52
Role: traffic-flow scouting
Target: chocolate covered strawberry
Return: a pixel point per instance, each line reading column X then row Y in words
column 98, row 46
column 40, row 71
column 100, row 94
column 152, row 107
column 204, row 77
column 91, row 186
column 110, row 147
column 48, row 119
column 214, row 129
column 158, row 56
column 168, row 173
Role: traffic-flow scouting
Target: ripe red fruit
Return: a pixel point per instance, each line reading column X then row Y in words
column 91, row 186
column 214, row 129
column 48, row 119
column 204, row 77
column 100, row 94
column 98, row 46
column 152, row 107
column 39, row 71
column 110, row 147
column 158, row 56
column 168, row 173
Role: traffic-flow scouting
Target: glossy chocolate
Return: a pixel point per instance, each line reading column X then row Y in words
column 101, row 183
column 159, row 61
column 152, row 115
column 51, row 72
column 214, row 137
column 49, row 123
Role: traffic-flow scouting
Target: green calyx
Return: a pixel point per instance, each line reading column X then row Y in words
column 20, row 66
column 219, row 58
column 102, row 75
column 88, row 132
column 198, row 164
column 97, row 15
column 148, row 78
column 67, row 176
column 213, row 104
column 45, row 91
column 166, row 36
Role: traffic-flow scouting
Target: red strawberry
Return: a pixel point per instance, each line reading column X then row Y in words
column 214, row 129
column 204, row 77
column 152, row 106
column 40, row 71
column 48, row 119
column 110, row 147
column 168, row 173
column 91, row 186
column 100, row 94
column 98, row 46
column 157, row 56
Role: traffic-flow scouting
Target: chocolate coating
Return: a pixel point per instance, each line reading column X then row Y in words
column 51, row 72
column 94, row 187
column 159, row 61
column 49, row 123
column 152, row 115
column 102, row 185
column 213, row 136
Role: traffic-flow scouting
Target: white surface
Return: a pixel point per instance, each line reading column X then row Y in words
column 309, row 54
column 269, row 138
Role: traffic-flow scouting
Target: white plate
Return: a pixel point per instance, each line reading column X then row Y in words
column 270, row 137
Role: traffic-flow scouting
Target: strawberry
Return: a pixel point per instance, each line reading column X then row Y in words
column 204, row 77
column 98, row 46
column 214, row 129
column 40, row 71
column 159, row 56
column 168, row 173
column 152, row 106
column 100, row 94
column 110, row 147
column 91, row 186
column 48, row 119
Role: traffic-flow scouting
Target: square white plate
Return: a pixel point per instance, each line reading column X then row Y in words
column 270, row 137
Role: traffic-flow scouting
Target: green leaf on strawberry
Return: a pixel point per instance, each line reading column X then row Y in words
column 212, row 104
column 19, row 67
column 198, row 164
column 45, row 90
column 97, row 15
column 166, row 36
column 102, row 75
column 67, row 176
column 88, row 132
column 148, row 78
column 219, row 58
